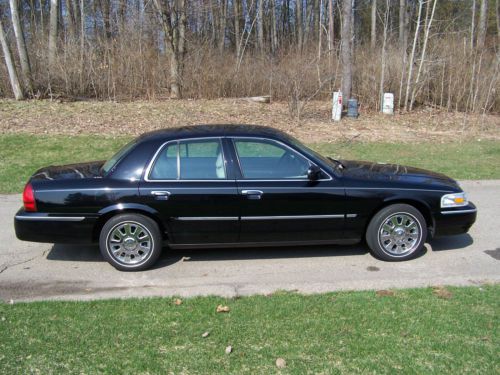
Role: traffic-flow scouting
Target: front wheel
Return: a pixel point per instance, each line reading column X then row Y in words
column 397, row 232
column 130, row 242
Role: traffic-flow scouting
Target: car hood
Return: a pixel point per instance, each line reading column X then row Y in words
column 366, row 170
column 69, row 171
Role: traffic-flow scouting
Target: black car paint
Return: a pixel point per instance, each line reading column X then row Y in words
column 339, row 206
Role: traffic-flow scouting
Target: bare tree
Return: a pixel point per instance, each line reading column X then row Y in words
column 300, row 26
column 53, row 28
column 483, row 24
column 422, row 58
column 316, row 17
column 373, row 38
column 21, row 45
column 330, row 26
column 260, row 25
column 473, row 24
column 14, row 80
column 222, row 25
column 236, row 12
column 412, row 56
column 497, row 13
column 346, row 48
column 402, row 23
column 274, row 32
column 173, row 21
column 383, row 58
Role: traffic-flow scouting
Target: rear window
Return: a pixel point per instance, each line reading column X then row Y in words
column 116, row 157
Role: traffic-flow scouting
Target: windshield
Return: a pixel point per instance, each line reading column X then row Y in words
column 114, row 159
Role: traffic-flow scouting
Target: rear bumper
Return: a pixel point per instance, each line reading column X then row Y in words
column 42, row 227
column 455, row 221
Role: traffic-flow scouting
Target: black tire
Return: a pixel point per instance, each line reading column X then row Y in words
column 390, row 245
column 147, row 226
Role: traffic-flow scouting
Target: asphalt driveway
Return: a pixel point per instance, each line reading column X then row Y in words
column 32, row 271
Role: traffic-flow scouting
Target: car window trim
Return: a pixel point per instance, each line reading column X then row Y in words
column 178, row 179
column 233, row 138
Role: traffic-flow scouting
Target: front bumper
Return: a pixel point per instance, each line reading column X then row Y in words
column 52, row 228
column 455, row 221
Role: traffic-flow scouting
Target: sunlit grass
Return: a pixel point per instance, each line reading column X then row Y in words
column 410, row 331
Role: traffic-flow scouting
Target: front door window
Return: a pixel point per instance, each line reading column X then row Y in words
column 269, row 160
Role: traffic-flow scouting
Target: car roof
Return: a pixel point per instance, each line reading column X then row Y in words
column 213, row 130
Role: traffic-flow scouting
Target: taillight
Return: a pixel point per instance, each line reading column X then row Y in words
column 29, row 198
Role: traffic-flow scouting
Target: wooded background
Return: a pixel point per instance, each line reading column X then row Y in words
column 439, row 53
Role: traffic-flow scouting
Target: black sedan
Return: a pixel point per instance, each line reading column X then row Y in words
column 235, row 186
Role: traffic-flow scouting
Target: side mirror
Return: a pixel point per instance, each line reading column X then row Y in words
column 313, row 173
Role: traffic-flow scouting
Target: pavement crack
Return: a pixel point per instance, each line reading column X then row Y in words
column 5, row 268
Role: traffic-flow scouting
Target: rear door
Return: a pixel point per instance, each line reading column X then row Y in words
column 278, row 201
column 194, row 192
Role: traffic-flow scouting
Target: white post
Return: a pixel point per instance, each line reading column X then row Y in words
column 337, row 106
column 388, row 103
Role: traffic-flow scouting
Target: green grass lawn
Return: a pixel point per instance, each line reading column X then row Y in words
column 22, row 154
column 412, row 331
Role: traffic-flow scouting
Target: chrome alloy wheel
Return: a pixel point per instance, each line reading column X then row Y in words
column 129, row 242
column 400, row 234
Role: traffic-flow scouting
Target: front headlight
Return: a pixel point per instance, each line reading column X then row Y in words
column 454, row 200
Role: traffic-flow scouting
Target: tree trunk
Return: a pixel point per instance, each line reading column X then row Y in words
column 331, row 36
column 316, row 17
column 173, row 21
column 497, row 13
column 21, row 45
column 222, row 25
column 70, row 18
column 274, row 32
column 82, row 43
column 300, row 26
column 424, row 48
column 106, row 16
column 382, row 62
column 473, row 24
column 402, row 23
column 483, row 24
column 373, row 38
column 346, row 49
column 14, row 80
column 412, row 56
column 237, row 42
column 53, row 29
column 260, row 25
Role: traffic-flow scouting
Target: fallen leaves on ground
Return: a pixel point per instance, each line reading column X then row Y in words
column 221, row 309
column 442, row 292
column 229, row 349
column 382, row 293
column 280, row 363
column 136, row 117
column 205, row 334
column 177, row 301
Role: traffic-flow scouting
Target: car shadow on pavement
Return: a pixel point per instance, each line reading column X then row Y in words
column 312, row 251
column 89, row 253
column 451, row 242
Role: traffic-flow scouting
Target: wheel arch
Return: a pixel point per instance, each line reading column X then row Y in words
column 127, row 208
column 421, row 206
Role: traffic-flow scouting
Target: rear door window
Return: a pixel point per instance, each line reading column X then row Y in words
column 197, row 159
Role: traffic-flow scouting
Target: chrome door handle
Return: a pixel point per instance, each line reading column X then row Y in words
column 252, row 194
column 161, row 194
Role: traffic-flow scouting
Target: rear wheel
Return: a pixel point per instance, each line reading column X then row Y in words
column 130, row 242
column 397, row 232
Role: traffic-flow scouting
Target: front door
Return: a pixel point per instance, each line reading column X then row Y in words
column 188, row 184
column 279, row 202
